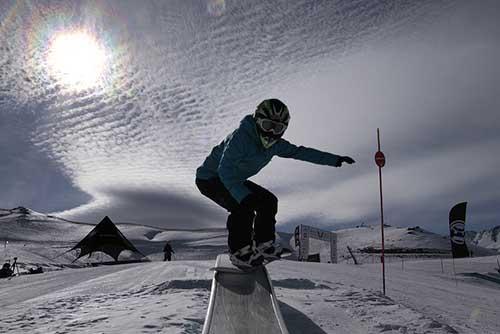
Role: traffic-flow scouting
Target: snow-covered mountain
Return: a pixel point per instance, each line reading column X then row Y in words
column 42, row 238
column 396, row 238
column 486, row 238
column 399, row 242
column 23, row 224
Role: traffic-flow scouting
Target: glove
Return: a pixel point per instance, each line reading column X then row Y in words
column 345, row 159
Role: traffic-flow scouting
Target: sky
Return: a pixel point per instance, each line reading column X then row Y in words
column 108, row 108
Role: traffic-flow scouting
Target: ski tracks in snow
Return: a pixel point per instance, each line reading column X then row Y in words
column 176, row 306
column 350, row 309
column 173, row 298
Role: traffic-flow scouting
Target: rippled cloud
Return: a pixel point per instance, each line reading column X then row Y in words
column 177, row 76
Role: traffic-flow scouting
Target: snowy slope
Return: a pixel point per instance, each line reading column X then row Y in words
column 399, row 242
column 43, row 239
column 27, row 225
column 395, row 237
column 422, row 296
column 31, row 233
column 314, row 298
column 487, row 238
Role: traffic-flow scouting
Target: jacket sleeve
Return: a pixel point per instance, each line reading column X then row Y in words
column 286, row 149
column 234, row 152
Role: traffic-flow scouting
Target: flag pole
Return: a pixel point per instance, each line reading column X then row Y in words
column 380, row 161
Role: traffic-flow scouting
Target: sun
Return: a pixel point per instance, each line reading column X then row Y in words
column 77, row 59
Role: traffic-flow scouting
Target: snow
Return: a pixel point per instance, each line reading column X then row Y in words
column 114, row 299
column 407, row 242
column 395, row 237
column 423, row 296
column 173, row 297
column 488, row 238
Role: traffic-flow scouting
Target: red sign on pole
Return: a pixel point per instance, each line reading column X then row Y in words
column 380, row 159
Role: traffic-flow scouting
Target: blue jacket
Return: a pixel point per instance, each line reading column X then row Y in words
column 241, row 155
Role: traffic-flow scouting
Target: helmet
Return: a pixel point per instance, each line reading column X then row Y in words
column 271, row 118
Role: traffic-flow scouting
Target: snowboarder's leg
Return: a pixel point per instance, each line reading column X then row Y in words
column 265, row 220
column 217, row 192
column 264, row 224
column 239, row 225
column 239, row 222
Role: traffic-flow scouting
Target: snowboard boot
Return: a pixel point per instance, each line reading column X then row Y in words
column 246, row 258
column 270, row 250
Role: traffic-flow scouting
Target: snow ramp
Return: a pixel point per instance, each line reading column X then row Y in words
column 243, row 303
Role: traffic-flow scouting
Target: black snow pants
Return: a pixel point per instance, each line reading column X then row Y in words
column 243, row 224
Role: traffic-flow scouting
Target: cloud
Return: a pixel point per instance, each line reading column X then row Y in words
column 181, row 79
column 154, row 207
column 27, row 176
column 435, row 97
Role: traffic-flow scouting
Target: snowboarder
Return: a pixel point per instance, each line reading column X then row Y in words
column 223, row 177
column 168, row 252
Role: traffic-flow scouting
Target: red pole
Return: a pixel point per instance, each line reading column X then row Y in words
column 381, row 213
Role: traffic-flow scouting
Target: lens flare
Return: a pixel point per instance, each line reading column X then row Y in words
column 216, row 7
column 76, row 59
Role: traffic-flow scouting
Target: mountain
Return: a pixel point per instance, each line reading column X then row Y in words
column 399, row 242
column 27, row 234
column 409, row 238
column 34, row 235
column 23, row 224
column 486, row 238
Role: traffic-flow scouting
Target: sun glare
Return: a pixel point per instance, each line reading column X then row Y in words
column 77, row 59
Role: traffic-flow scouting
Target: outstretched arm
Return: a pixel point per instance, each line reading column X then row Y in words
column 286, row 149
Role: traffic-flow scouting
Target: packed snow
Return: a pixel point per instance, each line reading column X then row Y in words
column 423, row 296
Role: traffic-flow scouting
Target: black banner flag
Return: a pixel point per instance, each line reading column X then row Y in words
column 457, row 230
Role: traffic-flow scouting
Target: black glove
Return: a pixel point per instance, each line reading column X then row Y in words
column 345, row 159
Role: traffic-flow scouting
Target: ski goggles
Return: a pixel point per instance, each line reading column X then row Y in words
column 268, row 125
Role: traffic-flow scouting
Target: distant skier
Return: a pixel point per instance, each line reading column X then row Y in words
column 223, row 177
column 168, row 251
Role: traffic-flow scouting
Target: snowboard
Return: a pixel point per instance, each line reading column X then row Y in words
column 224, row 264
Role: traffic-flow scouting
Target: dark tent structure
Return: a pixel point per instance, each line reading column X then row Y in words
column 106, row 238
